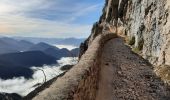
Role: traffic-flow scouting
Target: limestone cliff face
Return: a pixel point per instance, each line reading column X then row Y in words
column 144, row 23
column 147, row 21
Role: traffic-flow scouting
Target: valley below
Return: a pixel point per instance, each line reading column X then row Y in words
column 24, row 65
column 23, row 86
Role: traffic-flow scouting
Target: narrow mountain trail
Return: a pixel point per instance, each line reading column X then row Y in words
column 126, row 76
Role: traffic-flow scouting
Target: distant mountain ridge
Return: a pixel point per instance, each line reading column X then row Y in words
column 9, row 45
column 52, row 50
column 41, row 47
column 29, row 58
column 63, row 41
column 18, row 64
column 17, row 56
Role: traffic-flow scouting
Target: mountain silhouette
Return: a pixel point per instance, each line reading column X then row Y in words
column 41, row 47
column 18, row 64
column 9, row 45
column 51, row 50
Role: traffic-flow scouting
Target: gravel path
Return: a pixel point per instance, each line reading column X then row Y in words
column 126, row 76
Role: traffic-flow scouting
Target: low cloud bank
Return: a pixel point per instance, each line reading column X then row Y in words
column 23, row 86
column 69, row 47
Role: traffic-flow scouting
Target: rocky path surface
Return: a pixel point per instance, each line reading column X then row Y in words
column 126, row 76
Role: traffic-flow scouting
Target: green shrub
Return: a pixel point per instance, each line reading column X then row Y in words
column 136, row 50
column 140, row 45
column 132, row 41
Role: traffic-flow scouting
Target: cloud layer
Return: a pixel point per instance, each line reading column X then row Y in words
column 23, row 86
column 48, row 18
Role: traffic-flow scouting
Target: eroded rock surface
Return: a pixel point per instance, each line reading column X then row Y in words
column 147, row 21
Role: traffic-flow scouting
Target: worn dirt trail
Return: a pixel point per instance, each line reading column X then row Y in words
column 126, row 76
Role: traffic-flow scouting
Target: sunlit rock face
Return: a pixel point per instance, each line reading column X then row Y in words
column 106, row 24
column 147, row 21
column 143, row 21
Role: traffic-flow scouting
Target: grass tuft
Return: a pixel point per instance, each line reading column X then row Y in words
column 140, row 45
column 132, row 41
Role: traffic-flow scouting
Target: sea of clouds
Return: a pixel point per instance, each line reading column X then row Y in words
column 69, row 47
column 23, row 86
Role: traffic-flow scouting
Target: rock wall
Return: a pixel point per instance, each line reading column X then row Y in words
column 81, row 82
column 144, row 23
column 147, row 21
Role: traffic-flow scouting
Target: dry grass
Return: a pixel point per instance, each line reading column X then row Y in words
column 136, row 50
column 164, row 73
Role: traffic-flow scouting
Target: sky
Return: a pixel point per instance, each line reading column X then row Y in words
column 49, row 18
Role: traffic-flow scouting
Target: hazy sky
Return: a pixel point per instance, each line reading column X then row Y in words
column 49, row 18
